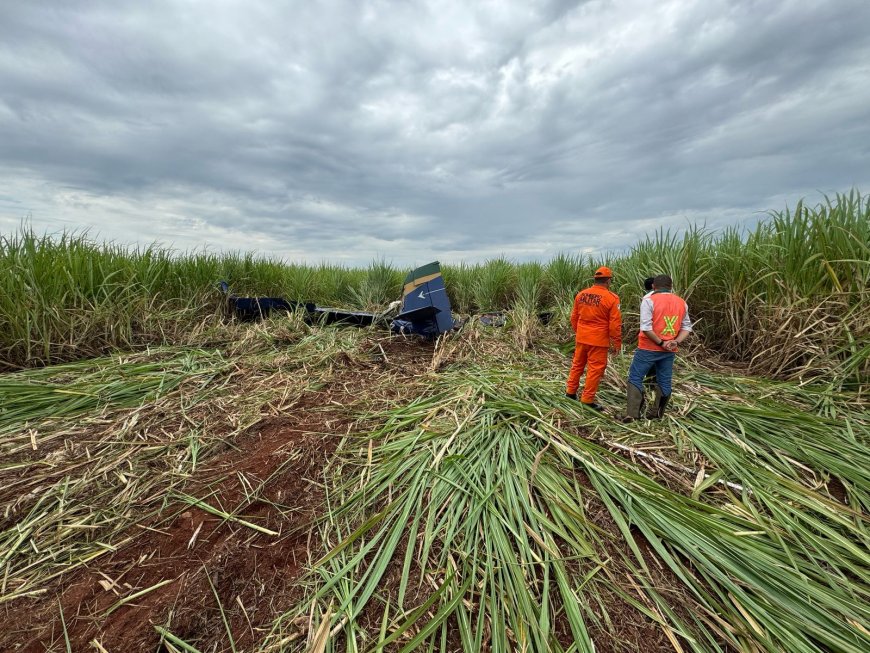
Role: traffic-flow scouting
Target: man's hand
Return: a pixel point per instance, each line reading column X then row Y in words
column 671, row 345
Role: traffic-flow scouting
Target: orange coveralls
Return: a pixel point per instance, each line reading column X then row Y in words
column 597, row 323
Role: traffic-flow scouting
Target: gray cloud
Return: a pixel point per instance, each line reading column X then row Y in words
column 353, row 130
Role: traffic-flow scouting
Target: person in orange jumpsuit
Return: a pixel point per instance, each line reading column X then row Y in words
column 597, row 323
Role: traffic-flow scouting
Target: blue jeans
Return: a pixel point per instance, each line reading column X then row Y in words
column 644, row 361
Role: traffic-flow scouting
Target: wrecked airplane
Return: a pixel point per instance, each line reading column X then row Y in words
column 424, row 309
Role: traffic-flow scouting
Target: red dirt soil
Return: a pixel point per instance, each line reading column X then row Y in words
column 186, row 550
column 247, row 568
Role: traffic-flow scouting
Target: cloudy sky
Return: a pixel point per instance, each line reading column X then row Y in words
column 412, row 130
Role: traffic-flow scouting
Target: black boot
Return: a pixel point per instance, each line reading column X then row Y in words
column 657, row 392
column 571, row 396
column 657, row 409
column 635, row 404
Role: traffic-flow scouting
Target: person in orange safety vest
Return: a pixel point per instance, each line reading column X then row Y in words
column 597, row 325
column 664, row 325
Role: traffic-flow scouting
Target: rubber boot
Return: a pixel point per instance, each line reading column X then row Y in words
column 656, row 391
column 571, row 396
column 657, row 409
column 635, row 404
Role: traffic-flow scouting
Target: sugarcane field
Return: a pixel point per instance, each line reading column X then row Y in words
column 195, row 466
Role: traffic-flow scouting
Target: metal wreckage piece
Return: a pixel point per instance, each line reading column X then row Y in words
column 424, row 309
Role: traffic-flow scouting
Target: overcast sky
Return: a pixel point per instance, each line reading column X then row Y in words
column 350, row 130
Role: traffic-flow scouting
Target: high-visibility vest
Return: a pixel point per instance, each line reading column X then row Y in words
column 668, row 313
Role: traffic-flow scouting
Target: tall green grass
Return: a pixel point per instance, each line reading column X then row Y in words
column 789, row 297
column 65, row 297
